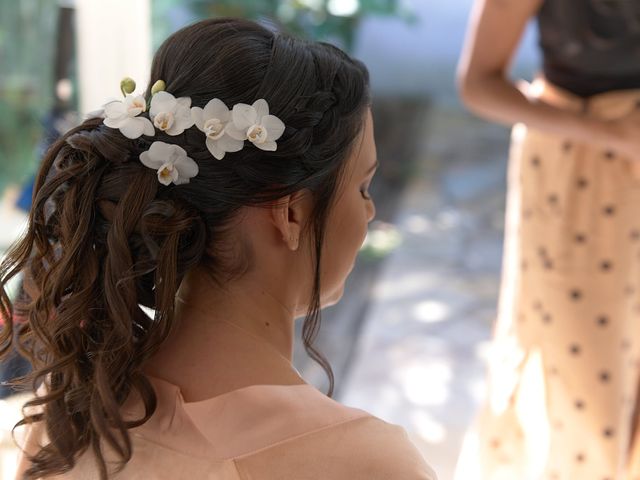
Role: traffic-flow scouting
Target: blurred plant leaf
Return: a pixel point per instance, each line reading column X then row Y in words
column 27, row 30
column 307, row 18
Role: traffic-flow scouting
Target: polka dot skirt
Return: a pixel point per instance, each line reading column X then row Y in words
column 564, row 375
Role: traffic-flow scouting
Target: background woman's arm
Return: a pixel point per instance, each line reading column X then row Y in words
column 494, row 32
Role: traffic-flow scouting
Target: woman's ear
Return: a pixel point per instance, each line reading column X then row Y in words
column 290, row 214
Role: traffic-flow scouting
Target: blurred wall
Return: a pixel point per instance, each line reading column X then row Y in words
column 420, row 58
column 114, row 41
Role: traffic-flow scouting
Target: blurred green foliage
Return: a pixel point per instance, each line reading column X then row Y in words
column 27, row 34
column 334, row 21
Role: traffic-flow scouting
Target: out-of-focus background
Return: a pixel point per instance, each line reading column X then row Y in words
column 407, row 342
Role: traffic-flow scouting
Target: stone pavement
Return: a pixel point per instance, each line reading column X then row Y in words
column 419, row 356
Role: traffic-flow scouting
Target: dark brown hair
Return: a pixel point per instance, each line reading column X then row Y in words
column 105, row 237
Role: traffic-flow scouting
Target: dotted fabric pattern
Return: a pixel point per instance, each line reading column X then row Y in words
column 563, row 398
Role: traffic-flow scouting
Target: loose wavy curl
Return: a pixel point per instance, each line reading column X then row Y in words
column 105, row 238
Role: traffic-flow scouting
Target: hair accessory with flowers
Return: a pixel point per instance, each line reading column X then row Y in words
column 124, row 114
column 171, row 162
column 225, row 130
column 169, row 114
column 214, row 121
column 253, row 123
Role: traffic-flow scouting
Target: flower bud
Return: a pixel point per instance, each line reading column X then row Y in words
column 159, row 86
column 127, row 85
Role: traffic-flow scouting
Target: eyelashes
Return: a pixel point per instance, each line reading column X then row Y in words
column 364, row 189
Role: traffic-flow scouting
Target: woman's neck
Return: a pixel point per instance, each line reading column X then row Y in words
column 225, row 340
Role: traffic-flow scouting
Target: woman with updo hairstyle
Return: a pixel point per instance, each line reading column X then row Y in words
column 229, row 200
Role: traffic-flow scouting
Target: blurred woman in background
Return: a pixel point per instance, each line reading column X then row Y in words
column 563, row 375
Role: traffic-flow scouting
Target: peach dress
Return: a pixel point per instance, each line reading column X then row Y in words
column 564, row 373
column 266, row 432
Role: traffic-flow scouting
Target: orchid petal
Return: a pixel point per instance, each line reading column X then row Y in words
column 163, row 151
column 198, row 117
column 180, row 124
column 230, row 144
column 130, row 100
column 275, row 127
column 164, row 181
column 269, row 146
column 186, row 167
column 176, row 152
column 162, row 102
column 182, row 121
column 216, row 108
column 181, row 181
column 184, row 102
column 214, row 148
column 174, row 130
column 115, row 122
column 174, row 175
column 148, row 126
column 236, row 133
column 148, row 160
column 115, row 109
column 132, row 128
column 261, row 107
column 244, row 116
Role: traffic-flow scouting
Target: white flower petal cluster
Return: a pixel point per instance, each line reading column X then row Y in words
column 225, row 130
column 214, row 120
column 253, row 123
column 170, row 114
column 171, row 162
column 123, row 115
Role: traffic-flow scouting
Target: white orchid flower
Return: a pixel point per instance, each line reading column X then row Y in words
column 253, row 123
column 171, row 162
column 170, row 114
column 123, row 115
column 213, row 120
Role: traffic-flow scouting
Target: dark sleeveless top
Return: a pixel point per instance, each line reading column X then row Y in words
column 591, row 46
